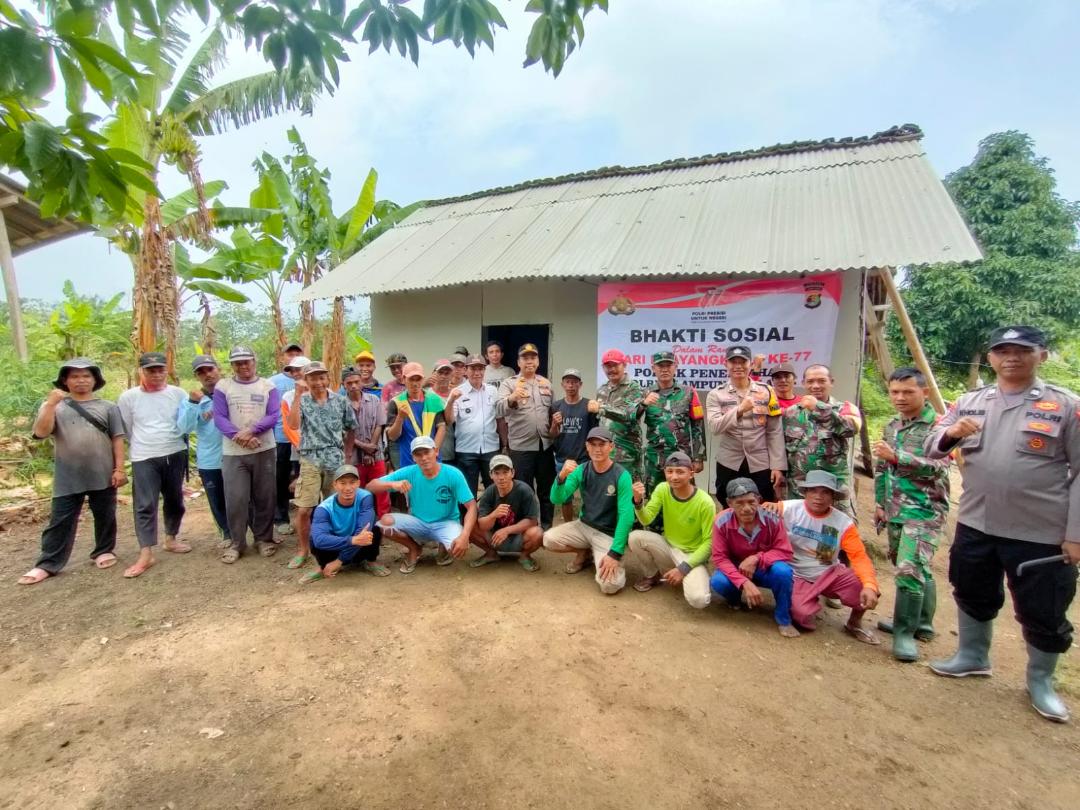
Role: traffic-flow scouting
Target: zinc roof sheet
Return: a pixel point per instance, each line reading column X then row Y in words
column 862, row 204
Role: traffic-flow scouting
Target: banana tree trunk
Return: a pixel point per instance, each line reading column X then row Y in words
column 307, row 327
column 155, row 297
column 279, row 330
column 209, row 333
column 334, row 341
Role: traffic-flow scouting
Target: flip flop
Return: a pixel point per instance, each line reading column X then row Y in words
column 230, row 555
column 480, row 562
column 574, row 567
column 177, row 547
column 862, row 634
column 376, row 570
column 106, row 560
column 138, row 569
column 444, row 557
column 529, row 564
column 299, row 561
column 267, row 549
column 34, row 576
column 311, row 576
column 407, row 566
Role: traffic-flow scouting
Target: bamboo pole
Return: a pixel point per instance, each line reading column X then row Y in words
column 11, row 289
column 912, row 339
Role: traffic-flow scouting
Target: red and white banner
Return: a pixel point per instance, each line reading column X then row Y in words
column 790, row 320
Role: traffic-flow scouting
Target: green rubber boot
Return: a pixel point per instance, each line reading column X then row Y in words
column 925, row 630
column 1040, row 684
column 973, row 655
column 906, row 613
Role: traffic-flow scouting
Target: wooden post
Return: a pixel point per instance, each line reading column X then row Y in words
column 913, row 344
column 11, row 289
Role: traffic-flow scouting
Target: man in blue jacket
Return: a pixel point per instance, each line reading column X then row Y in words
column 343, row 529
column 196, row 415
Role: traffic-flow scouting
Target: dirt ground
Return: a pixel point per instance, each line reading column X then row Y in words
column 203, row 685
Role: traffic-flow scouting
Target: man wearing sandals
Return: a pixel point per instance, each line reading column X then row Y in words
column 434, row 492
column 678, row 556
column 343, row 530
column 159, row 459
column 246, row 408
column 326, row 423
column 88, row 442
column 607, row 513
column 509, row 521
column 818, row 532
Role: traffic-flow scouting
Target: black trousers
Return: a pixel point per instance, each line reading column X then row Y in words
column 361, row 554
column 1041, row 597
column 763, row 479
column 58, row 538
column 284, row 472
column 153, row 478
column 214, row 485
column 474, row 466
column 537, row 466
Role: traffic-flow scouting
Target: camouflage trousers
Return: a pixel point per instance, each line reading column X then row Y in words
column 654, row 468
column 911, row 548
column 630, row 461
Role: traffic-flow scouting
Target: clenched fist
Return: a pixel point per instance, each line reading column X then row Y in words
column 568, row 467
column 55, row 397
column 594, row 406
column 963, row 427
column 639, row 491
column 651, row 398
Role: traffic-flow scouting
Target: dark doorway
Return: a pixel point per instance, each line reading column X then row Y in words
column 512, row 336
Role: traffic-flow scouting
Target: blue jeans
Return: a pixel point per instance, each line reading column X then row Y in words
column 779, row 579
column 215, row 496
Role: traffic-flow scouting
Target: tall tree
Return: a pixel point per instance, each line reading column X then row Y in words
column 1031, row 271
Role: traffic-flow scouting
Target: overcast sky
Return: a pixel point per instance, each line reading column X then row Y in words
column 658, row 79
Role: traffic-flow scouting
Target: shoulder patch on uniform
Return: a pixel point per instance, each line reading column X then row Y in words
column 1046, row 405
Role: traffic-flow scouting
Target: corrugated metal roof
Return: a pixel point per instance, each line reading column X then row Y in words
column 873, row 202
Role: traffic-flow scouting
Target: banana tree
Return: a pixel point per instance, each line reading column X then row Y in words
column 159, row 117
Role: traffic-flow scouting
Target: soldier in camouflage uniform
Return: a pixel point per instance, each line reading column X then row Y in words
column 619, row 404
column 818, row 432
column 912, row 495
column 674, row 420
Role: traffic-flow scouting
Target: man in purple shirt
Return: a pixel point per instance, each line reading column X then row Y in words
column 246, row 408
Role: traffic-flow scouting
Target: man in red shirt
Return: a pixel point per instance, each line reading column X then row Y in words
column 783, row 383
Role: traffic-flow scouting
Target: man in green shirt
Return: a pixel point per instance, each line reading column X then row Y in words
column 607, row 513
column 683, row 549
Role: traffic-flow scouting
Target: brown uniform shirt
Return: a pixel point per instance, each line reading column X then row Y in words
column 756, row 436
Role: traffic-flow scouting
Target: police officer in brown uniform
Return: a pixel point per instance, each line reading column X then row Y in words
column 1020, row 440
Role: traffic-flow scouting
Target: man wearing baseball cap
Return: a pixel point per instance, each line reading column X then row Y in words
column 750, row 551
column 818, row 533
column 570, row 424
column 607, row 513
column 88, row 451
column 196, row 415
column 326, row 423
column 364, row 363
column 1020, row 439
column 525, row 403
column 470, row 411
column 344, row 531
column 744, row 416
column 246, row 408
column 442, row 383
column 396, row 363
column 435, row 492
column 286, row 468
column 674, row 421
column 416, row 411
column 783, row 383
column 509, row 518
column 679, row 555
column 620, row 403
column 159, row 459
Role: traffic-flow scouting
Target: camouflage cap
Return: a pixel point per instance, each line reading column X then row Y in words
column 663, row 357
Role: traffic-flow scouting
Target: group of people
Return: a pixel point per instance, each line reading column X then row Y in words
column 362, row 462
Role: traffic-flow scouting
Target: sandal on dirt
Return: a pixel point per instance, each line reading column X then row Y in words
column 299, row 561
column 34, row 576
column 408, row 566
column 575, row 567
column 443, row 557
column 862, row 634
column 177, row 547
column 311, row 576
column 225, row 542
column 230, row 555
column 138, row 569
column 646, row 584
column 529, row 564
column 106, row 560
column 376, row 570
column 480, row 562
column 267, row 549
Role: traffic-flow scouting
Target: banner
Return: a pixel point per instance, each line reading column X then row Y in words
column 789, row 320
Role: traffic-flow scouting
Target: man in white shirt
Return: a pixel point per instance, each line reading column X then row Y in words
column 159, row 459
column 470, row 407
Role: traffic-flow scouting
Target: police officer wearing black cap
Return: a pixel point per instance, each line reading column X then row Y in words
column 1020, row 440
